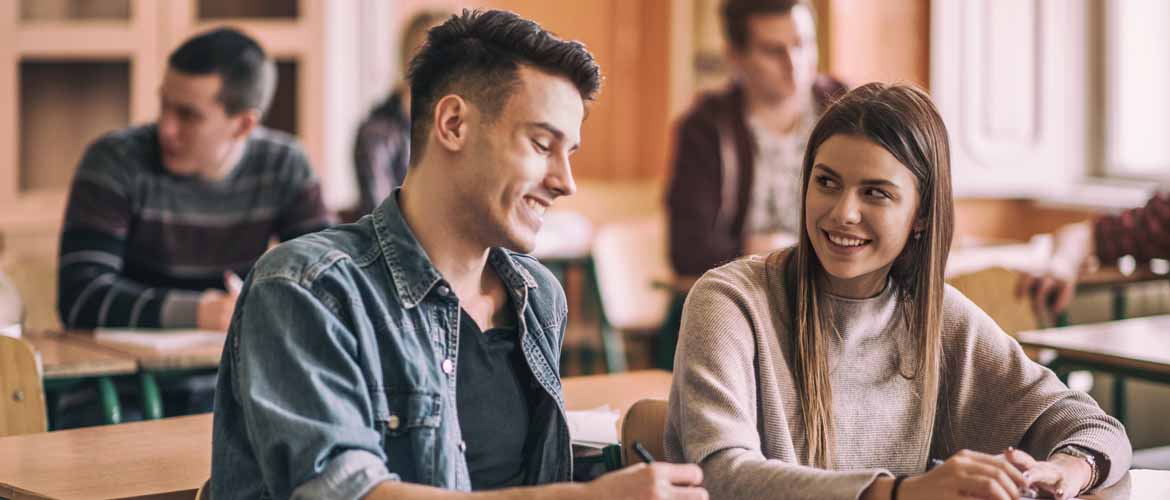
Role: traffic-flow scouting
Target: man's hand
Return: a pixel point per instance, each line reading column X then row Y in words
column 215, row 307
column 655, row 481
column 1053, row 288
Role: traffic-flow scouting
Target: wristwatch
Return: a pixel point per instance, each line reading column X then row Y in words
column 1086, row 455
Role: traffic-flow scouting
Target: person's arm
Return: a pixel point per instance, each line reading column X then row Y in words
column 308, row 414
column 658, row 481
column 304, row 212
column 1054, row 287
column 713, row 408
column 698, row 239
column 91, row 289
column 999, row 398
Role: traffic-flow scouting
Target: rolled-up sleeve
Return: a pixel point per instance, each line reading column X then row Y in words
column 303, row 396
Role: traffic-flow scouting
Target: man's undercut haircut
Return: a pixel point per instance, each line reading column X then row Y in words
column 737, row 12
column 477, row 55
column 248, row 76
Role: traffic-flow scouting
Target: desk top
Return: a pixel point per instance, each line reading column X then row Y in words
column 168, row 456
column 204, row 355
column 1141, row 343
column 1137, row 484
column 620, row 390
column 63, row 357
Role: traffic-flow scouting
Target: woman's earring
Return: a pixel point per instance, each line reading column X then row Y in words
column 918, row 235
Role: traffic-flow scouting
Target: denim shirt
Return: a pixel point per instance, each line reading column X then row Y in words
column 339, row 368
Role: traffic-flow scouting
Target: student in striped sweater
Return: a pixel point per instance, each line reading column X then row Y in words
column 158, row 213
column 162, row 218
column 843, row 368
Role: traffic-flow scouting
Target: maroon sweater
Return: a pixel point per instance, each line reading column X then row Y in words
column 707, row 200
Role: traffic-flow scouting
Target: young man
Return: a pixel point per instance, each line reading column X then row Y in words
column 735, row 187
column 161, row 216
column 381, row 150
column 416, row 352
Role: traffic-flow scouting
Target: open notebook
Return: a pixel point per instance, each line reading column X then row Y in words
column 157, row 339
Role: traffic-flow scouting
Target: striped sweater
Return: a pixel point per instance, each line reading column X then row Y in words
column 140, row 244
column 734, row 408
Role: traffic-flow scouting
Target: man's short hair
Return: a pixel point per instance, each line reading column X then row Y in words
column 248, row 76
column 737, row 12
column 477, row 55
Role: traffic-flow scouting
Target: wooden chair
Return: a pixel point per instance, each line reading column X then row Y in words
column 994, row 290
column 644, row 423
column 204, row 491
column 22, row 396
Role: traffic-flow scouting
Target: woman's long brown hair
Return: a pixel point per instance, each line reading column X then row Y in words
column 902, row 120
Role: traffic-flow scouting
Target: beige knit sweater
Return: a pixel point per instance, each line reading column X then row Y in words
column 734, row 409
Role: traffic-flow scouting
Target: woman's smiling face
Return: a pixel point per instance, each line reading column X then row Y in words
column 859, row 211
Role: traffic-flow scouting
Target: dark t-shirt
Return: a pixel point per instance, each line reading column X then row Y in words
column 493, row 402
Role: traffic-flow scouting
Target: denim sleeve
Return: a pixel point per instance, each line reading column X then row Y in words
column 305, row 402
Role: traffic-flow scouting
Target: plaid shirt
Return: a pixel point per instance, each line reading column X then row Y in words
column 1142, row 232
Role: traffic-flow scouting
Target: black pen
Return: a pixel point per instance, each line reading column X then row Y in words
column 642, row 453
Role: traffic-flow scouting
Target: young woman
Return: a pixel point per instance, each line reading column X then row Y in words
column 845, row 367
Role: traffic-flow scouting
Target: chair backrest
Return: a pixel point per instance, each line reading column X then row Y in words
column 204, row 491
column 994, row 290
column 645, row 423
column 629, row 257
column 22, row 397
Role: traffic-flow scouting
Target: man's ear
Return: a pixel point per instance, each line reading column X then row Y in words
column 246, row 121
column 452, row 114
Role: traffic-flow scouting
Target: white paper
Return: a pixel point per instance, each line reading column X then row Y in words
column 596, row 427
column 159, row 340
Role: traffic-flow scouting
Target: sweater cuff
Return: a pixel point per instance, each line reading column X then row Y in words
column 179, row 309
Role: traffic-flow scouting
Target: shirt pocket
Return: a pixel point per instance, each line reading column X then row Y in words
column 410, row 429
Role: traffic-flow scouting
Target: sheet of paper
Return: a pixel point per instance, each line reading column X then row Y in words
column 596, row 427
column 160, row 340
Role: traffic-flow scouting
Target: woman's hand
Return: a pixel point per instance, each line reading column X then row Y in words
column 1062, row 476
column 967, row 474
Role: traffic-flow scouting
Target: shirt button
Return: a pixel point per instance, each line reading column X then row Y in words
column 443, row 290
column 448, row 366
column 392, row 422
column 462, row 446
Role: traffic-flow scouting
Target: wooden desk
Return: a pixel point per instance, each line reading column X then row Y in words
column 200, row 356
column 1135, row 347
column 61, row 357
column 1138, row 347
column 162, row 459
column 1137, row 485
column 151, row 361
column 620, row 390
column 67, row 362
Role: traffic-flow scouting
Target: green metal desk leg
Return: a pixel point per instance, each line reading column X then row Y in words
column 1119, row 303
column 611, row 456
column 1119, row 395
column 111, row 408
column 151, row 398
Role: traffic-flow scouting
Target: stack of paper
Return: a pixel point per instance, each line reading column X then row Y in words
column 159, row 340
column 594, row 428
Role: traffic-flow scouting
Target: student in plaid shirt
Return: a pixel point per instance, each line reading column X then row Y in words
column 1143, row 232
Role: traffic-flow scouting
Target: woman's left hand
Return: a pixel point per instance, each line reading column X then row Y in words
column 1062, row 476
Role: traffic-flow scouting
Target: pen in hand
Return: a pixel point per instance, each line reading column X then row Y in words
column 642, row 453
